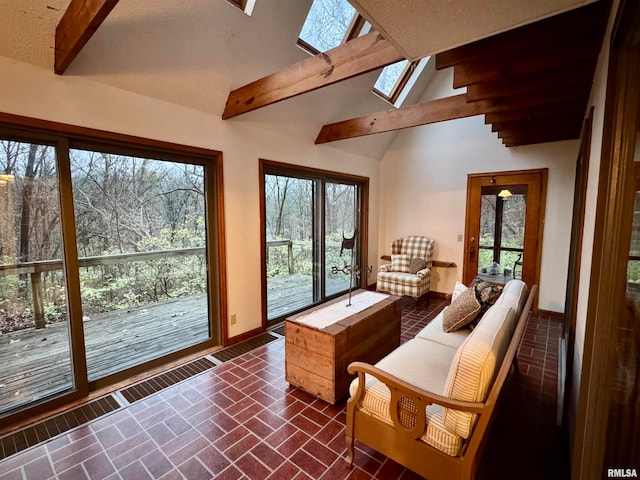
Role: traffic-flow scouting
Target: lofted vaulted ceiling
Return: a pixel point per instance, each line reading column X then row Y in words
column 531, row 83
column 418, row 28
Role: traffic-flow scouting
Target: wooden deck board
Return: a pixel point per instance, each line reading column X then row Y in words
column 36, row 363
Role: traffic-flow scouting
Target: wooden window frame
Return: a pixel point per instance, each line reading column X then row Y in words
column 401, row 83
column 357, row 22
column 269, row 167
column 64, row 137
column 245, row 5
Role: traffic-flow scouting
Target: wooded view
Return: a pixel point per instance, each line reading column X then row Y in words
column 298, row 211
column 123, row 205
column 290, row 216
column 509, row 216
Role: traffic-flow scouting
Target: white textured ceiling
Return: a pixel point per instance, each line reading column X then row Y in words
column 418, row 28
column 193, row 52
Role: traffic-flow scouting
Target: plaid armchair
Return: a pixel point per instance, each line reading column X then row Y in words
column 397, row 278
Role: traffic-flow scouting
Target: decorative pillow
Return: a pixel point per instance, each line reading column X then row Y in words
column 462, row 311
column 486, row 292
column 400, row 263
column 457, row 290
column 417, row 264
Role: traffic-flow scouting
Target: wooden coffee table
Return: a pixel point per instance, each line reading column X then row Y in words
column 316, row 359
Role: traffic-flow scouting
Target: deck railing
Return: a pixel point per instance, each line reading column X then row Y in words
column 35, row 270
column 282, row 243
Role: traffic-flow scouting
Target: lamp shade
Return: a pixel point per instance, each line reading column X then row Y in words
column 504, row 194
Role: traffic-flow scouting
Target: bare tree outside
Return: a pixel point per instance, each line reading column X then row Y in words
column 123, row 205
column 291, row 231
column 327, row 23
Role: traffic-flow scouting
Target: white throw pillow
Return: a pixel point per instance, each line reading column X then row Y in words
column 458, row 289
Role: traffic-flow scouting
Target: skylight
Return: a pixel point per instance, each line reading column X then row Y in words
column 389, row 78
column 332, row 22
column 327, row 24
column 245, row 5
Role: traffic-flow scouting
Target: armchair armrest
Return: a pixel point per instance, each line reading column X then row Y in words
column 425, row 272
column 385, row 268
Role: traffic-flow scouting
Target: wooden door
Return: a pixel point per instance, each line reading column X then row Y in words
column 529, row 188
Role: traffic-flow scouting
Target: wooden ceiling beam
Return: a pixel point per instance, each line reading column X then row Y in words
column 549, row 32
column 543, row 111
column 441, row 110
column 79, row 22
column 512, row 66
column 569, row 131
column 517, row 141
column 355, row 57
column 574, row 92
column 434, row 111
column 570, row 74
column 553, row 121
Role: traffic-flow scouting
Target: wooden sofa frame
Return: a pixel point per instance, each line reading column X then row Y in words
column 403, row 443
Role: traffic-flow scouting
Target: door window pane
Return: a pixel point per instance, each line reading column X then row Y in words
column 290, row 247
column 34, row 345
column 340, row 222
column 141, row 239
column 487, row 229
column 502, row 223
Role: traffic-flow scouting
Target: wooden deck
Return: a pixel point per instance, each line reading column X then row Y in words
column 288, row 293
column 36, row 362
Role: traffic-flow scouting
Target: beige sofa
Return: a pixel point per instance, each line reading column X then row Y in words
column 428, row 403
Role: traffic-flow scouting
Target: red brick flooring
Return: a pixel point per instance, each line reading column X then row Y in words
column 243, row 420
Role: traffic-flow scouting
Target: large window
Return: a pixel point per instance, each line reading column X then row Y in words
column 108, row 261
column 306, row 214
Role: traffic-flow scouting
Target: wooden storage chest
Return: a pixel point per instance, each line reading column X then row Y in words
column 316, row 359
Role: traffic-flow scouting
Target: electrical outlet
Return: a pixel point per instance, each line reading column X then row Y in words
column 233, row 319
column 459, row 238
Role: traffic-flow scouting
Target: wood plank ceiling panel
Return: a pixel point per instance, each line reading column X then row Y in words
column 537, row 78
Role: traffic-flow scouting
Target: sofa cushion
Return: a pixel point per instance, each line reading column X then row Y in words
column 421, row 363
column 435, row 333
column 400, row 263
column 462, row 311
column 474, row 365
column 514, row 294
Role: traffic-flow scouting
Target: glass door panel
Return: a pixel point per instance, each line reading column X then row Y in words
column 290, row 244
column 141, row 239
column 514, row 213
column 35, row 343
column 502, row 226
column 340, row 222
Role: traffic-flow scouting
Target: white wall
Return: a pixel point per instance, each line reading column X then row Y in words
column 33, row 92
column 423, row 190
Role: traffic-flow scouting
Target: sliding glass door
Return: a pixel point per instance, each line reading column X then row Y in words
column 35, row 350
column 108, row 263
column 141, row 238
column 309, row 219
column 340, row 221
